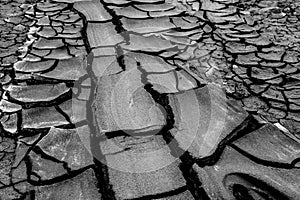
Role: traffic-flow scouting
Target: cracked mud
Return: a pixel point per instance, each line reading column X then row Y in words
column 149, row 99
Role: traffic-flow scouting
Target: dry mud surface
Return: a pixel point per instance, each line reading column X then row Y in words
column 149, row 99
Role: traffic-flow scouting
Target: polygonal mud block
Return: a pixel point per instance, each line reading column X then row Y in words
column 150, row 44
column 93, row 10
column 69, row 69
column 270, row 144
column 68, row 145
column 36, row 93
column 122, row 103
column 204, row 117
column 81, row 186
column 108, row 36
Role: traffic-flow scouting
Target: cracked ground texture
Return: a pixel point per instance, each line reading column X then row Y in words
column 149, row 99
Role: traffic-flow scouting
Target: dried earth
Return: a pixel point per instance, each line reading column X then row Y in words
column 149, row 99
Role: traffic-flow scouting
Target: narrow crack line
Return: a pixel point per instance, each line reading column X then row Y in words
column 32, row 146
column 116, row 20
column 130, row 133
column 11, row 184
column 14, row 186
column 120, row 57
column 38, row 79
column 296, row 161
column 30, row 132
column 29, row 195
column 29, row 167
column 171, row 193
column 72, row 125
column 65, row 115
column 61, row 178
column 156, row 53
column 19, row 121
column 42, row 154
